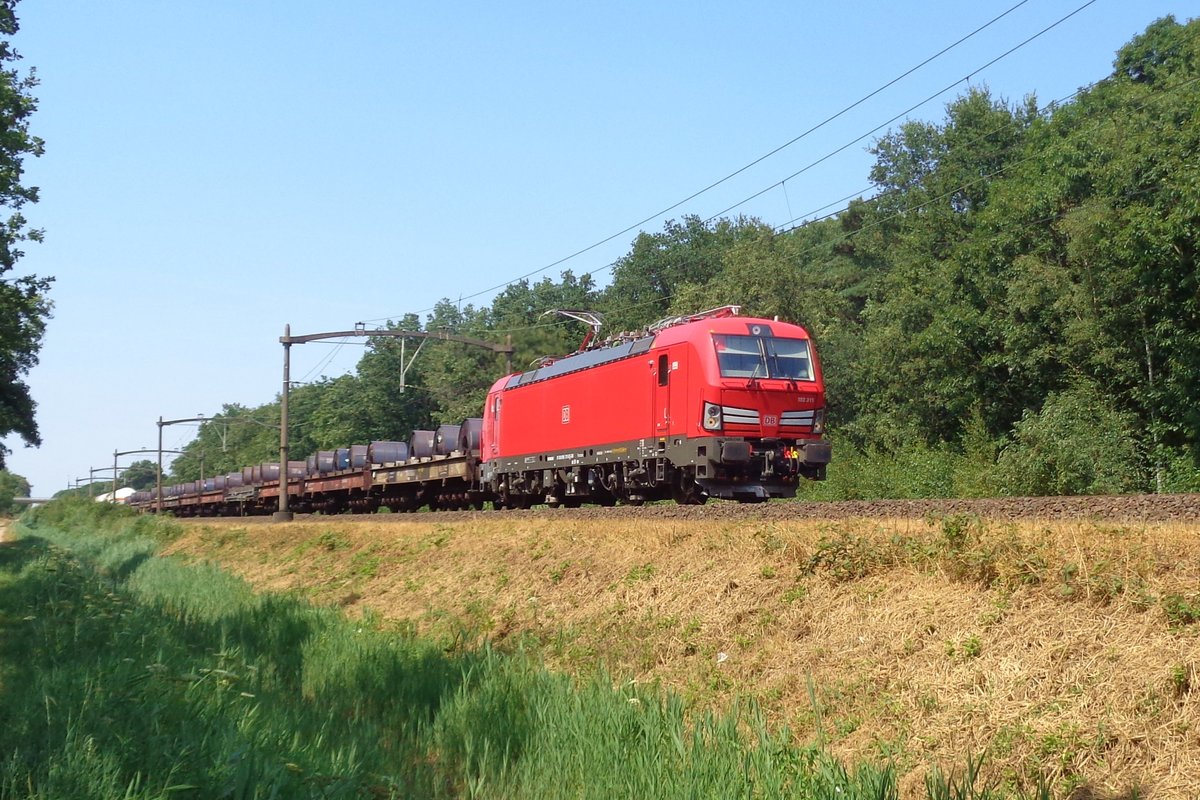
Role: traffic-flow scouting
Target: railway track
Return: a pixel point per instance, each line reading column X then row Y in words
column 1116, row 508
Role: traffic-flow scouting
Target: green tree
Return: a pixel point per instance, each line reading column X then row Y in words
column 1013, row 256
column 339, row 418
column 1099, row 224
column 140, row 475
column 522, row 312
column 11, row 486
column 927, row 355
column 392, row 409
column 24, row 307
column 236, row 437
column 686, row 253
column 455, row 376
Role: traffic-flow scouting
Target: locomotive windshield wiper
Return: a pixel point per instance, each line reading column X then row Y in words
column 753, row 382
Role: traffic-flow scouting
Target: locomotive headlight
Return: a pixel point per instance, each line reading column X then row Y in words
column 712, row 417
column 819, row 421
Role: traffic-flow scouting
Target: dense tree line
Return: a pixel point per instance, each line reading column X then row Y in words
column 1016, row 309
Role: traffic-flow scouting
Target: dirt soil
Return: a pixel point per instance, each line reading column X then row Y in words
column 1065, row 647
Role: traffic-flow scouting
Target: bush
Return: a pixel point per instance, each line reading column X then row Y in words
column 75, row 513
column 1181, row 474
column 1077, row 444
column 11, row 486
column 913, row 470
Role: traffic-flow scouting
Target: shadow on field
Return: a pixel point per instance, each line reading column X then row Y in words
column 152, row 667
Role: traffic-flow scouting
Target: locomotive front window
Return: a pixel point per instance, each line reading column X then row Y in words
column 788, row 358
column 742, row 356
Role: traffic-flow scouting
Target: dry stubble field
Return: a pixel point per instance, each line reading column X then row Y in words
column 1067, row 647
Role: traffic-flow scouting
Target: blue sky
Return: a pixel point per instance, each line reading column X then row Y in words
column 215, row 169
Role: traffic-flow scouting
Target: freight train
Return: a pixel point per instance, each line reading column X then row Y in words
column 708, row 405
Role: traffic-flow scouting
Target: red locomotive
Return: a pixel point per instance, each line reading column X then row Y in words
column 708, row 405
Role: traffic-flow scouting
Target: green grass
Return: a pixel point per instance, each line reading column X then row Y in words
column 128, row 675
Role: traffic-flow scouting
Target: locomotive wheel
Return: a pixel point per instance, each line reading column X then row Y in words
column 686, row 492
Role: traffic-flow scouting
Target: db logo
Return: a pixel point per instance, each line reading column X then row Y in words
column 770, row 419
column 566, row 414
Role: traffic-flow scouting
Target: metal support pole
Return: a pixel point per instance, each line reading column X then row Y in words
column 283, row 514
column 162, row 423
column 287, row 340
column 113, row 499
column 158, row 481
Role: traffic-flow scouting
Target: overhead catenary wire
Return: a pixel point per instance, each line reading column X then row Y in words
column 904, row 113
column 840, row 208
column 901, row 115
column 325, row 360
column 850, row 235
column 837, row 203
column 1000, row 171
column 752, row 163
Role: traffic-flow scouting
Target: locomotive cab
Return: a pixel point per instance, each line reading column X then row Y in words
column 764, row 405
column 753, row 421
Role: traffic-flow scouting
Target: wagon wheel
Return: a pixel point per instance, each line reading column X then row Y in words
column 686, row 492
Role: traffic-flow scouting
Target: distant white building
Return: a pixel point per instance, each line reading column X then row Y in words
column 122, row 496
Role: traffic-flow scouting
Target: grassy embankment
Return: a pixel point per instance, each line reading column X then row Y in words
column 125, row 674
column 1066, row 651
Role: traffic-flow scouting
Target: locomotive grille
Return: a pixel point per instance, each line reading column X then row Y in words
column 750, row 416
column 739, row 416
column 796, row 419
